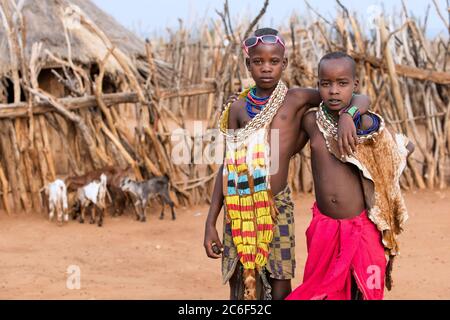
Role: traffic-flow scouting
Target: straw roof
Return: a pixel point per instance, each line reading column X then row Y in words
column 44, row 23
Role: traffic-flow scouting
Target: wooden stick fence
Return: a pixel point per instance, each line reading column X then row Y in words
column 96, row 118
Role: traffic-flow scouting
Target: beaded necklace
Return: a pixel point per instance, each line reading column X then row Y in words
column 356, row 120
column 327, row 121
column 255, row 102
column 332, row 117
column 248, row 198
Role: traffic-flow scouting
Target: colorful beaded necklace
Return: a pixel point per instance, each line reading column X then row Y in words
column 253, row 102
column 331, row 116
column 357, row 120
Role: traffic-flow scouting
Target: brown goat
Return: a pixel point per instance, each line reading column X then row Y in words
column 114, row 176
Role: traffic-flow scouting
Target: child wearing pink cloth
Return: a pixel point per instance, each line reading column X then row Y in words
column 337, row 251
column 346, row 252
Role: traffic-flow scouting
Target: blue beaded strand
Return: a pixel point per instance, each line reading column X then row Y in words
column 375, row 125
column 250, row 105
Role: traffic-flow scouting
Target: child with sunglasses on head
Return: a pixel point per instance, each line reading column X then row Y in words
column 258, row 248
column 359, row 209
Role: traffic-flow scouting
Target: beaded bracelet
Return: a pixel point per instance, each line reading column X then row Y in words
column 352, row 111
column 352, row 108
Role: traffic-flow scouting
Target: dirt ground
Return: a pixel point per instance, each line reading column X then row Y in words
column 165, row 259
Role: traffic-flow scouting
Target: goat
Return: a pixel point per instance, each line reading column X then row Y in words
column 56, row 192
column 114, row 176
column 94, row 193
column 141, row 191
column 76, row 182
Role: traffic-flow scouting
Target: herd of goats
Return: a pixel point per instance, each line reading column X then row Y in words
column 91, row 191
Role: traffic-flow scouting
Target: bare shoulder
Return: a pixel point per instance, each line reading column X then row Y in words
column 236, row 106
column 235, row 111
column 304, row 94
column 309, row 119
column 310, row 116
column 303, row 97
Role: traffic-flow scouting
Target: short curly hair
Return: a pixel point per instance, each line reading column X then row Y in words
column 339, row 55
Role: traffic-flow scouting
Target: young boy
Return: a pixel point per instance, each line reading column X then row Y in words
column 245, row 185
column 359, row 208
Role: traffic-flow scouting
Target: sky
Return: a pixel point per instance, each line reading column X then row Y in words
column 153, row 17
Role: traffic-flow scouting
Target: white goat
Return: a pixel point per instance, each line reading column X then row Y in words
column 57, row 200
column 93, row 193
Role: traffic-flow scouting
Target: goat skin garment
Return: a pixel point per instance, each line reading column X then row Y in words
column 380, row 178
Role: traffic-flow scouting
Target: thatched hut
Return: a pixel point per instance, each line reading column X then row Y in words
column 63, row 64
column 46, row 21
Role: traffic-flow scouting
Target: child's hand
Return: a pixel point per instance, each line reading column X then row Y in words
column 212, row 244
column 347, row 137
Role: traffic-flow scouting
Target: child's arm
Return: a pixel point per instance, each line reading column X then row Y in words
column 302, row 140
column 308, row 121
column 347, row 137
column 211, row 235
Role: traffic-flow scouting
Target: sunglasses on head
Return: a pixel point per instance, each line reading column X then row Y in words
column 266, row 39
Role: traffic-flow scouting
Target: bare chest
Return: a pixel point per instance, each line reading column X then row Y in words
column 326, row 165
column 282, row 120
